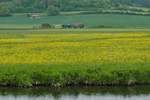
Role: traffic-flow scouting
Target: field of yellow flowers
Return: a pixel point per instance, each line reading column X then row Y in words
column 70, row 59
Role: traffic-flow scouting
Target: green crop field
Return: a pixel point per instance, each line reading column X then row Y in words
column 90, row 21
column 63, row 59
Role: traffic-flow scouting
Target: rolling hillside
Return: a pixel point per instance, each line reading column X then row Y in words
column 14, row 6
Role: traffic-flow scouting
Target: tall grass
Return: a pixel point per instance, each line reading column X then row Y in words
column 74, row 59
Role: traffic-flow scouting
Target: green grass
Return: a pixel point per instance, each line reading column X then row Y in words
column 74, row 58
column 75, row 31
column 93, row 20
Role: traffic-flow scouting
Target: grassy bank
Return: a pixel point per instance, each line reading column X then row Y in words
column 74, row 59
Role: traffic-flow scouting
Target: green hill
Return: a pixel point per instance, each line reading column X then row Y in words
column 26, row 6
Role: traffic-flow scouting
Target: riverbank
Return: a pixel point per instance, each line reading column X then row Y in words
column 77, row 75
column 73, row 59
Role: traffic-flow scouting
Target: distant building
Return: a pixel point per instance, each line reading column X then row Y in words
column 34, row 16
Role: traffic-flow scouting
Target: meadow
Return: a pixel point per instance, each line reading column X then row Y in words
column 76, row 58
column 90, row 21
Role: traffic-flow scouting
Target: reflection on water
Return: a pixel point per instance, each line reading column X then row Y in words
column 96, row 93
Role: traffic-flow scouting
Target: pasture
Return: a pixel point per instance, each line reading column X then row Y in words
column 90, row 21
column 64, row 59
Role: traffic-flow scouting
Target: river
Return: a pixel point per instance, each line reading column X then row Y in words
column 76, row 93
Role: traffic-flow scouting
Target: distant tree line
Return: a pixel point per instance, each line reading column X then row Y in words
column 53, row 7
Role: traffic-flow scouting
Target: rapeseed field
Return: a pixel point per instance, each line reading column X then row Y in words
column 50, row 59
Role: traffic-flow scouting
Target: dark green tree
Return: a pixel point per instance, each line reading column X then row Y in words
column 52, row 11
column 4, row 10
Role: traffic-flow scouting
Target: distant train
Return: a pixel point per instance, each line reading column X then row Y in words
column 62, row 26
column 73, row 26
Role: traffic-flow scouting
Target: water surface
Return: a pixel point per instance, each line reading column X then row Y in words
column 96, row 93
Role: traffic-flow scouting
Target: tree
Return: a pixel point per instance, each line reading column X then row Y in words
column 52, row 11
column 52, row 7
column 4, row 10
